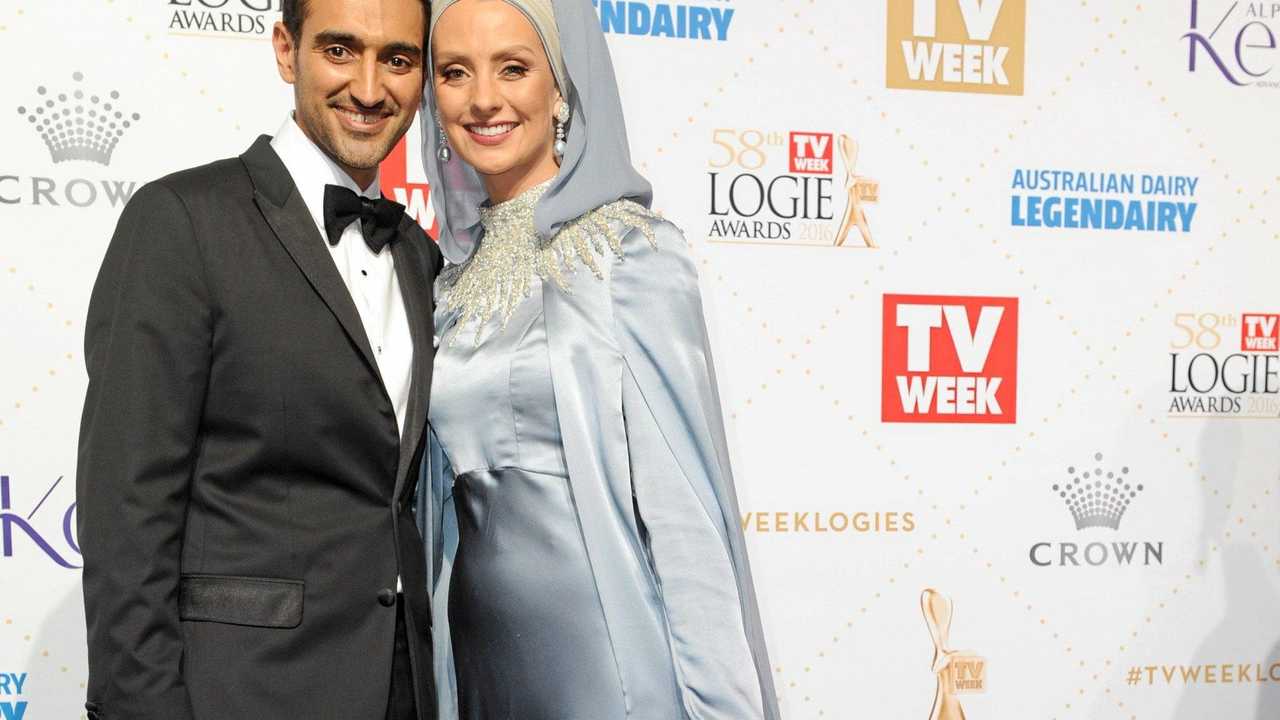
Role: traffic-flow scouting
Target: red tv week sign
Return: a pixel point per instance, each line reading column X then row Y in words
column 401, row 178
column 1261, row 333
column 811, row 153
column 949, row 359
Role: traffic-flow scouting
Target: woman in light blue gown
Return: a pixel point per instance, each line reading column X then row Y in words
column 576, row 498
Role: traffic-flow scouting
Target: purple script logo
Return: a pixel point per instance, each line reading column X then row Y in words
column 1253, row 35
column 11, row 520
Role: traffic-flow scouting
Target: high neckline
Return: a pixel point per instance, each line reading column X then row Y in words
column 509, row 258
column 516, row 213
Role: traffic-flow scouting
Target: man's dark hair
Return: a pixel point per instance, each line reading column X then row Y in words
column 295, row 11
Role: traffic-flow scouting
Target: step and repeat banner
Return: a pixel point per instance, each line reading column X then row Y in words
column 993, row 289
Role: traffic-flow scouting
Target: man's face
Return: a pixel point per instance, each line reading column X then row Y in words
column 356, row 71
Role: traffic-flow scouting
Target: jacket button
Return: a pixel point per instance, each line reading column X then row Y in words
column 387, row 597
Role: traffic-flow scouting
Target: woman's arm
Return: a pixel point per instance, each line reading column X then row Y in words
column 682, row 482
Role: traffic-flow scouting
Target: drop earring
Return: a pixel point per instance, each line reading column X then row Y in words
column 562, row 117
column 443, row 153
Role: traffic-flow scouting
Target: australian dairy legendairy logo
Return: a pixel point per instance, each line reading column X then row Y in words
column 709, row 21
column 1076, row 200
column 13, row 687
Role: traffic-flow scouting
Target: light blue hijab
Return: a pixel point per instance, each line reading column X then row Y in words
column 596, row 168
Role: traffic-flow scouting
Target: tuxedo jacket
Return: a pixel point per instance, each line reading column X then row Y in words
column 242, row 486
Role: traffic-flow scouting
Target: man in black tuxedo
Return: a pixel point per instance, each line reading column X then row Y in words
column 259, row 347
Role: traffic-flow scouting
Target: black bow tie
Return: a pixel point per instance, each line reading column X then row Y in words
column 379, row 219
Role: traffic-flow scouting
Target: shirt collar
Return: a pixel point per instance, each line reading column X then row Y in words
column 312, row 169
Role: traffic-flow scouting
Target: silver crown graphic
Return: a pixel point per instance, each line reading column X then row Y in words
column 1097, row 498
column 78, row 127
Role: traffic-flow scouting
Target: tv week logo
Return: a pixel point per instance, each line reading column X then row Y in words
column 811, row 153
column 401, row 178
column 1261, row 333
column 976, row 46
column 949, row 359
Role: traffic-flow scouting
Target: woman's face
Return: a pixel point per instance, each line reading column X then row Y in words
column 496, row 94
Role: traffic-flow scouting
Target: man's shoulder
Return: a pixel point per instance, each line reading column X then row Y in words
column 202, row 193
column 207, row 181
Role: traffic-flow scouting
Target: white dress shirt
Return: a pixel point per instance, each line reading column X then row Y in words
column 371, row 279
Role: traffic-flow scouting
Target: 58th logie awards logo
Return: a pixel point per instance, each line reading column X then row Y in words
column 1225, row 365
column 222, row 18
column 780, row 188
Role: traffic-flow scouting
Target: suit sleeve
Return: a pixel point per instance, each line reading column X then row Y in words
column 436, row 257
column 147, row 349
column 682, row 483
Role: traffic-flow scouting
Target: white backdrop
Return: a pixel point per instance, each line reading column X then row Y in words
column 986, row 287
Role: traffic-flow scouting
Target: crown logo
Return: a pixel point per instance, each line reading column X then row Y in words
column 1097, row 498
column 76, row 127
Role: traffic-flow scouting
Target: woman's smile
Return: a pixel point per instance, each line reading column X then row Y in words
column 492, row 133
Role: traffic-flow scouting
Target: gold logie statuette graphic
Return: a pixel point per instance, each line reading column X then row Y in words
column 859, row 190
column 958, row 672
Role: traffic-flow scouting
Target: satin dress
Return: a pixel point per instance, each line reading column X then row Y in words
column 528, row 632
column 586, row 554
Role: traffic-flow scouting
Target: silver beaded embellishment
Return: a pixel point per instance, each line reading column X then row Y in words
column 499, row 274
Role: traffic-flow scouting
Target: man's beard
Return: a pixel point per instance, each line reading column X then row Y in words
column 348, row 152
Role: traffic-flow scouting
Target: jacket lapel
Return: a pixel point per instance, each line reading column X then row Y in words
column 415, row 289
column 278, row 199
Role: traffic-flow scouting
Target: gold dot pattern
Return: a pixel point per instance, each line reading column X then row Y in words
column 71, row 338
column 61, row 374
column 43, row 663
column 795, row 345
column 1106, row 353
